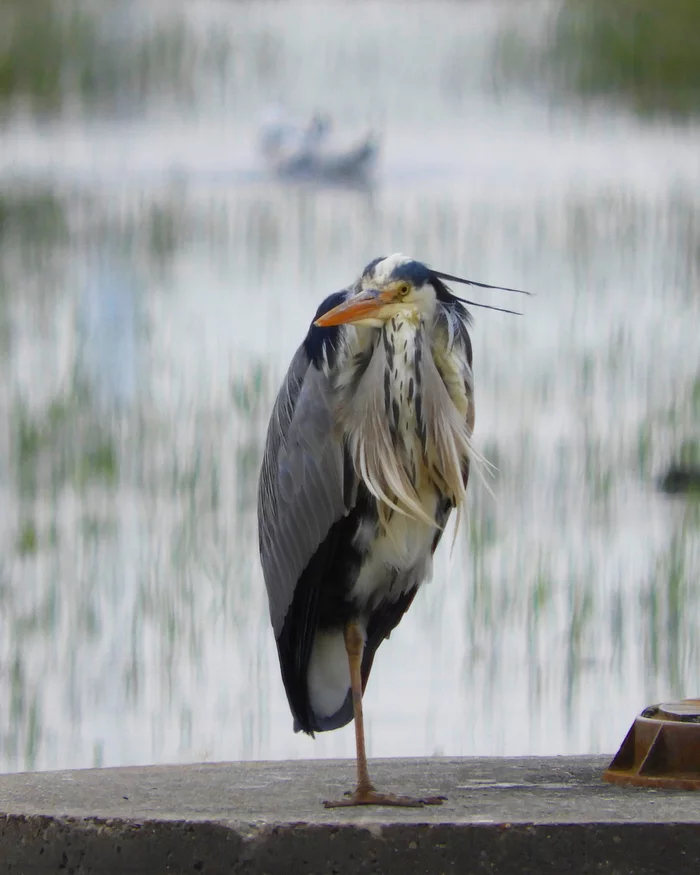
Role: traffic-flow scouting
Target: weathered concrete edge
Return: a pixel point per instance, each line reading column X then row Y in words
column 33, row 844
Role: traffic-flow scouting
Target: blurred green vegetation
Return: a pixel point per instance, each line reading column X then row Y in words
column 32, row 218
column 54, row 54
column 63, row 444
column 27, row 539
column 35, row 46
column 645, row 52
column 248, row 390
column 45, row 51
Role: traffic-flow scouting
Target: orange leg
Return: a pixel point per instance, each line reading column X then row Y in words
column 365, row 794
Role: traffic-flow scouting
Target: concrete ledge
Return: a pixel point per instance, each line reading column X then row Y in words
column 505, row 816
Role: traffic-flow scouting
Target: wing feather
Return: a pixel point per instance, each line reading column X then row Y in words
column 300, row 493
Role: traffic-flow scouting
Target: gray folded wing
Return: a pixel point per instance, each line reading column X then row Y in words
column 300, row 493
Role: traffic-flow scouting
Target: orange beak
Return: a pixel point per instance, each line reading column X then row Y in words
column 367, row 303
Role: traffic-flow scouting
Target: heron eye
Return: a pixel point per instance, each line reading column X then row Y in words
column 403, row 290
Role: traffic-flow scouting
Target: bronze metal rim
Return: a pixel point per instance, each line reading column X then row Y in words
column 661, row 749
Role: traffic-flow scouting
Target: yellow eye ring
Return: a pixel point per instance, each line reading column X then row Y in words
column 403, row 290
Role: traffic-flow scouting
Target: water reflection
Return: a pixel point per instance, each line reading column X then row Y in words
column 146, row 322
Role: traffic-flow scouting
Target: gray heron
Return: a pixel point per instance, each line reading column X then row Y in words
column 368, row 451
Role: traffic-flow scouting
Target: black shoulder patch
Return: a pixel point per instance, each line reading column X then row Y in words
column 324, row 340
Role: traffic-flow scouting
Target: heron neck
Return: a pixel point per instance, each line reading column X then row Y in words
column 403, row 343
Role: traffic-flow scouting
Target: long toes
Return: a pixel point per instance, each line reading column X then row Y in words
column 340, row 803
column 434, row 800
column 411, row 802
column 371, row 797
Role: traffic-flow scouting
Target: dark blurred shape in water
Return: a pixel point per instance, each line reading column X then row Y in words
column 681, row 481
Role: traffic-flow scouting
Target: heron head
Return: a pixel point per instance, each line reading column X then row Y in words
column 398, row 284
column 391, row 285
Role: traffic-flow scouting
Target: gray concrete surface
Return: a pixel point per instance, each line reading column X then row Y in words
column 505, row 816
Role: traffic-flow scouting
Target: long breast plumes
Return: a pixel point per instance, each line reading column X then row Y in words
column 407, row 432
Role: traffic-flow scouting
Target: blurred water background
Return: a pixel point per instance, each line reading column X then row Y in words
column 155, row 282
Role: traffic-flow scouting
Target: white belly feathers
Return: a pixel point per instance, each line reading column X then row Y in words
column 402, row 543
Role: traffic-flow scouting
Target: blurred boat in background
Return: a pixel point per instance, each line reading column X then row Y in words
column 296, row 152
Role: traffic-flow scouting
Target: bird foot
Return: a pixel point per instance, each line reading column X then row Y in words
column 369, row 796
